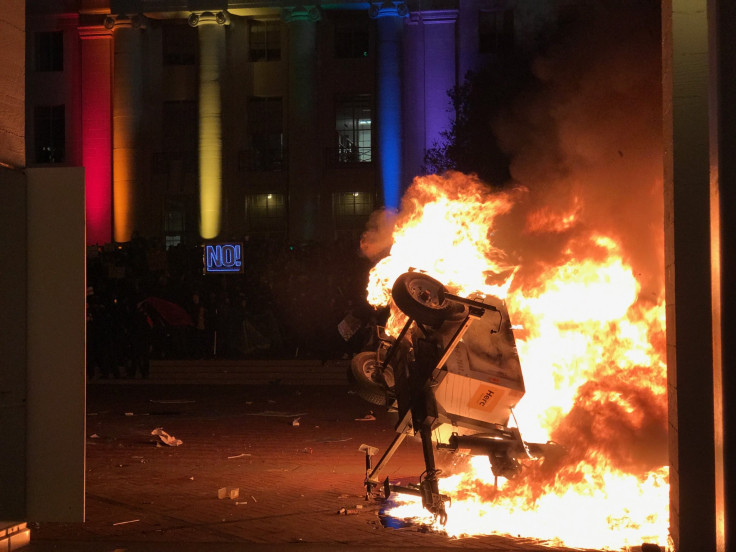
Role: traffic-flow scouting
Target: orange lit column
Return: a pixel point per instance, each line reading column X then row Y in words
column 126, row 113
column 96, row 82
column 304, row 164
column 211, row 59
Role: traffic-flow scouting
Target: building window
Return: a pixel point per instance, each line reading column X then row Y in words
column 352, row 208
column 49, row 133
column 265, row 128
column 266, row 211
column 351, row 39
column 353, row 118
column 265, row 40
column 179, row 44
column 174, row 221
column 495, row 31
column 50, row 51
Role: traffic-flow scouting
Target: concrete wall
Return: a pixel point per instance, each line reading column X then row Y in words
column 56, row 285
column 12, row 344
column 12, row 83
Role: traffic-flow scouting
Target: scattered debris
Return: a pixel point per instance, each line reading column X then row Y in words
column 126, row 522
column 129, row 414
column 276, row 414
column 228, row 492
column 241, row 502
column 254, row 498
column 307, row 450
column 295, row 422
column 238, row 456
column 94, row 436
column 367, row 418
column 172, row 401
column 348, row 511
column 166, row 438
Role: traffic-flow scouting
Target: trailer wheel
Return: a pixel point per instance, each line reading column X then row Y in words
column 362, row 371
column 422, row 298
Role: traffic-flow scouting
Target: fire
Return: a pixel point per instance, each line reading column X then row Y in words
column 592, row 350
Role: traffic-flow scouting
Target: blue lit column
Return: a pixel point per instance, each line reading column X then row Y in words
column 303, row 145
column 390, row 22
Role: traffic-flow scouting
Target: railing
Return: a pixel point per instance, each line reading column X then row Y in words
column 348, row 156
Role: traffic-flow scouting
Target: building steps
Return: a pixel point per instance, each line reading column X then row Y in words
column 13, row 535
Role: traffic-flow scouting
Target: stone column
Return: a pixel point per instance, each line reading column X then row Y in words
column 96, row 94
column 390, row 22
column 126, row 118
column 303, row 145
column 211, row 60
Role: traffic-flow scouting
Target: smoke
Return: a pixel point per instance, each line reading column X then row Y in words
column 587, row 140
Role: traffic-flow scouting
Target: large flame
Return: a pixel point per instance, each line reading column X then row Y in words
column 592, row 352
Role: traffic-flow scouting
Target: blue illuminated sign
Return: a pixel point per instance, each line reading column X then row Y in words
column 223, row 257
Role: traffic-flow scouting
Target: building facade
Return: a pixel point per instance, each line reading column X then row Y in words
column 204, row 120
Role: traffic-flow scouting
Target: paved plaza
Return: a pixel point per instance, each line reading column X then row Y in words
column 290, row 451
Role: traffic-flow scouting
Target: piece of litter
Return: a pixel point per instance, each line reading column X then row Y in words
column 237, row 456
column 94, row 436
column 307, row 450
column 254, row 498
column 295, row 422
column 241, row 502
column 166, row 438
column 126, row 522
column 228, row 492
column 191, row 478
column 367, row 418
column 248, row 402
column 129, row 414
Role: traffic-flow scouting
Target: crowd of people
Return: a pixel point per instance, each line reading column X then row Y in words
column 147, row 302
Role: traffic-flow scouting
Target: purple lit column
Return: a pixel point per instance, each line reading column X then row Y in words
column 390, row 22
column 430, row 72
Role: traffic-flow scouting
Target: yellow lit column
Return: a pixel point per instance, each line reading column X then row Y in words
column 126, row 113
column 211, row 58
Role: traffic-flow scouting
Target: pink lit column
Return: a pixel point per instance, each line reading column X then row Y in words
column 96, row 88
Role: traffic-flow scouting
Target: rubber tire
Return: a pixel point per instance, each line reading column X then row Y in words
column 432, row 313
column 367, row 389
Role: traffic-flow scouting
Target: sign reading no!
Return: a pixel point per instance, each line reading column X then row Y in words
column 223, row 258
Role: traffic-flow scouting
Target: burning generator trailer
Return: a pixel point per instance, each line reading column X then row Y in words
column 452, row 372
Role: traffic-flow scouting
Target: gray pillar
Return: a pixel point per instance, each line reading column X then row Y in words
column 687, row 275
column 305, row 163
column 722, row 26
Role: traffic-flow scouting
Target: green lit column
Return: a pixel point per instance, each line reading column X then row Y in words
column 211, row 59
column 303, row 146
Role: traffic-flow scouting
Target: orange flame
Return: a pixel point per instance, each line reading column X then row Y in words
column 592, row 350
